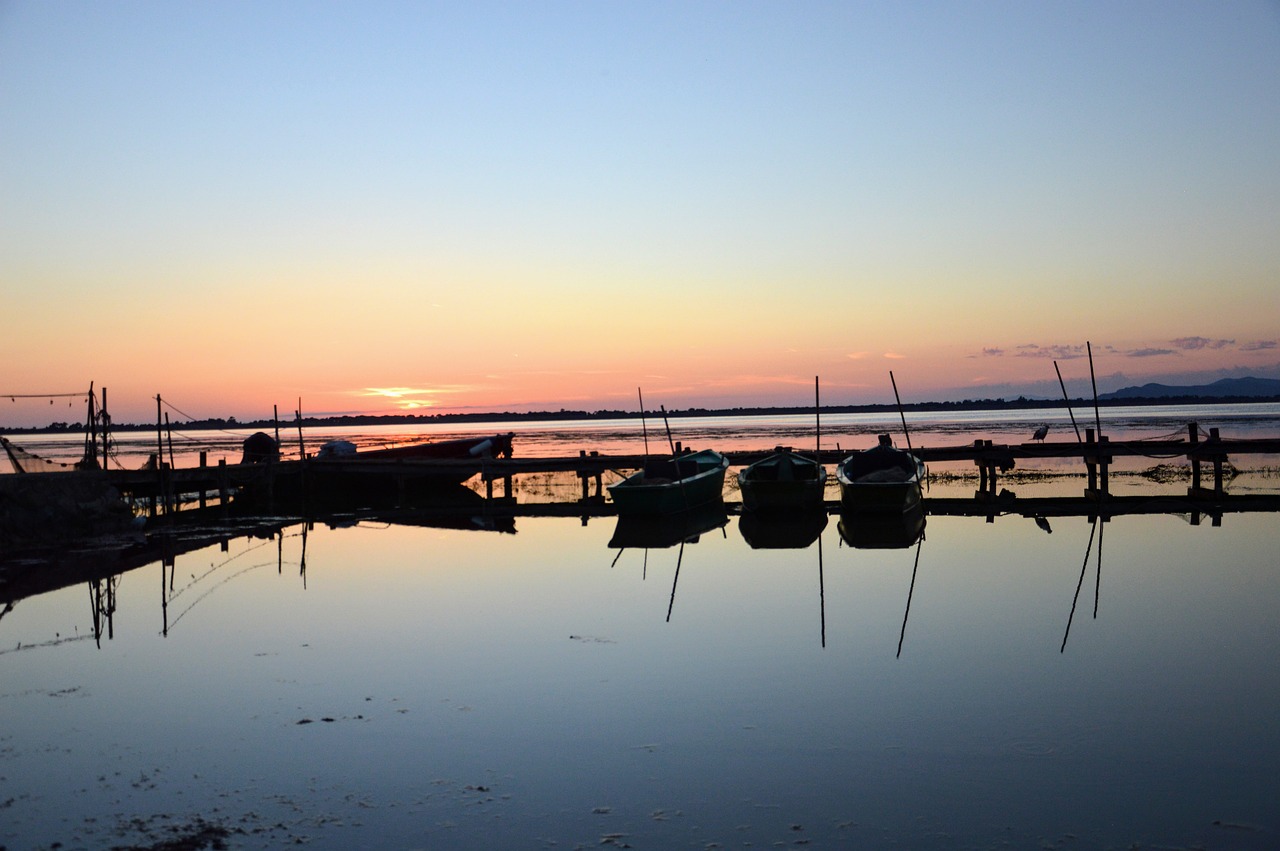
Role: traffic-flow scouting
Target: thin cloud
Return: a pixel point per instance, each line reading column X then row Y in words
column 1258, row 346
column 411, row 398
column 992, row 352
column 1057, row 352
column 1149, row 353
column 1191, row 344
column 856, row 355
column 894, row 356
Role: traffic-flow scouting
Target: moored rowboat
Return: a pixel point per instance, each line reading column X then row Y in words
column 669, row 485
column 880, row 479
column 783, row 481
column 462, row 449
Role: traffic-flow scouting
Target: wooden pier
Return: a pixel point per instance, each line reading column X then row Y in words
column 1207, row 457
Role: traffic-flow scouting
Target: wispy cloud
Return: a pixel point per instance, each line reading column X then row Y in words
column 856, row 355
column 1193, row 343
column 992, row 352
column 894, row 356
column 1258, row 346
column 1149, row 353
column 1057, row 352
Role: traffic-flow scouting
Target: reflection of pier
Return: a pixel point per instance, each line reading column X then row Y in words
column 99, row 560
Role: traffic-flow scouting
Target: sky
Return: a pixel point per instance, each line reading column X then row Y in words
column 436, row 206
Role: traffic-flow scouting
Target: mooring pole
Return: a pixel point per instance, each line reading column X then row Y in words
column 1067, row 399
column 106, row 419
column 1097, row 418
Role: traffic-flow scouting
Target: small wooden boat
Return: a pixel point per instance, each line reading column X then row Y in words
column 370, row 474
column 668, row 485
column 881, row 479
column 491, row 446
column 783, row 481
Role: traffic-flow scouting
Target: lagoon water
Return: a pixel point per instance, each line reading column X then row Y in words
column 367, row 683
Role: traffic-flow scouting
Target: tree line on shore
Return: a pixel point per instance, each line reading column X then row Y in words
column 365, row 420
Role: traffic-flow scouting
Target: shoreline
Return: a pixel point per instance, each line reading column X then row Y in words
column 348, row 420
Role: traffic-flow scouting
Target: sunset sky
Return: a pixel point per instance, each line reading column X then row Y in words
column 441, row 206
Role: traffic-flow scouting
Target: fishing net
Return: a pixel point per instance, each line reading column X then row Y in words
column 21, row 461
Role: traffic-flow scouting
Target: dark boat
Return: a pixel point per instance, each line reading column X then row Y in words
column 880, row 479
column 671, row 485
column 491, row 446
column 783, row 481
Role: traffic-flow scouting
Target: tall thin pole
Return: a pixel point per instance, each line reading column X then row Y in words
column 817, row 422
column 670, row 440
column 302, row 447
column 159, row 434
column 1097, row 418
column 644, row 427
column 91, row 437
column 106, row 420
column 1067, row 399
column 906, row 433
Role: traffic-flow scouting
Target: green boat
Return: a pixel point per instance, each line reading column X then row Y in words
column 669, row 485
column 783, row 481
column 880, row 479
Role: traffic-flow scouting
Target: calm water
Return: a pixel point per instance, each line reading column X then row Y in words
column 382, row 685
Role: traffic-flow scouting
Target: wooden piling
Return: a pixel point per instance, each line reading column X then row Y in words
column 1193, row 434
column 204, row 464
column 1090, row 462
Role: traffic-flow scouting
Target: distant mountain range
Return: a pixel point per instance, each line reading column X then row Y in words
column 1225, row 387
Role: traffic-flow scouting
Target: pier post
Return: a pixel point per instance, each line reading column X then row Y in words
column 1193, row 430
column 1103, row 462
column 982, row 468
column 1218, row 458
column 223, row 486
column 1089, row 462
column 204, row 466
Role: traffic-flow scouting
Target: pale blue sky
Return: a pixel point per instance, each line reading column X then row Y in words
column 482, row 197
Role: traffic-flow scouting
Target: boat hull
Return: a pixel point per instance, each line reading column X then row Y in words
column 665, row 488
column 462, row 449
column 880, row 480
column 784, row 481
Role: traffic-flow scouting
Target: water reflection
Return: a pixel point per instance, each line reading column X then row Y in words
column 1097, row 528
column 866, row 531
column 781, row 530
column 639, row 531
column 490, row 690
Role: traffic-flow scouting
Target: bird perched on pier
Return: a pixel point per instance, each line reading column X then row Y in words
column 1043, row 523
column 1040, row 433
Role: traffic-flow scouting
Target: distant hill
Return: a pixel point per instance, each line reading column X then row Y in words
column 1223, row 388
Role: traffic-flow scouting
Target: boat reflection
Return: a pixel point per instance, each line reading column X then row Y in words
column 882, row 531
column 655, row 532
column 781, row 530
